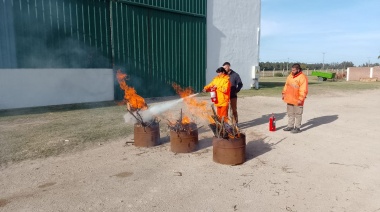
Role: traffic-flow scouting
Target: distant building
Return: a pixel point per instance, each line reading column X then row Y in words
column 358, row 73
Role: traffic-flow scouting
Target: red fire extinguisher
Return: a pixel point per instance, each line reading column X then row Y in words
column 214, row 97
column 272, row 123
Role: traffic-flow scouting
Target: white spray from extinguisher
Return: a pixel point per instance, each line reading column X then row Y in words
column 155, row 109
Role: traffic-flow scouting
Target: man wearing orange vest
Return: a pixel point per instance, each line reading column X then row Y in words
column 222, row 85
column 294, row 94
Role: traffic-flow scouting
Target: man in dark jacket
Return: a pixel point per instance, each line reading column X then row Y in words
column 236, row 85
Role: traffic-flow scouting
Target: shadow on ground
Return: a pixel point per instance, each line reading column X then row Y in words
column 315, row 122
column 264, row 119
column 256, row 147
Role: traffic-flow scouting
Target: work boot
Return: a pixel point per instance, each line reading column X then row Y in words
column 288, row 128
column 296, row 130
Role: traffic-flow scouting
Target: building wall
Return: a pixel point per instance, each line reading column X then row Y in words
column 376, row 72
column 233, row 38
column 233, row 34
column 20, row 88
column 355, row 73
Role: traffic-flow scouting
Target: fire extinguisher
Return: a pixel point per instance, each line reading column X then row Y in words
column 214, row 97
column 272, row 123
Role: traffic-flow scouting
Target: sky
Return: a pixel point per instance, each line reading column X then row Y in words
column 320, row 31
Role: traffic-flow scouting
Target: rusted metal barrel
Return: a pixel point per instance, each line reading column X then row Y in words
column 229, row 151
column 146, row 136
column 183, row 142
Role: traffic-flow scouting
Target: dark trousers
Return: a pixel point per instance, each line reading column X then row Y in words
column 233, row 104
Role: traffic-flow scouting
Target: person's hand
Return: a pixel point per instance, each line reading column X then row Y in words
column 283, row 96
column 204, row 90
column 299, row 102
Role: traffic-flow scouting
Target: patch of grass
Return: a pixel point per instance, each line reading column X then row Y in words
column 272, row 86
column 47, row 131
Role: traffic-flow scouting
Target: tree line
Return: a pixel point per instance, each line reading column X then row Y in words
column 311, row 66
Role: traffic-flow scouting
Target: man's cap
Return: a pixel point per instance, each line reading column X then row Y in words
column 226, row 63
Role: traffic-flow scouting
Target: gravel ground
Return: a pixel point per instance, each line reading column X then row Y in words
column 332, row 165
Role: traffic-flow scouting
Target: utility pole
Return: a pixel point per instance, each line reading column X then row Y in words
column 323, row 61
column 287, row 66
column 369, row 61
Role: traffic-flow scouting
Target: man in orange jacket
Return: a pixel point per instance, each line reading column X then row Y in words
column 221, row 83
column 294, row 94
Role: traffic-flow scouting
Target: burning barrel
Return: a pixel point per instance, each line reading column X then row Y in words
column 230, row 151
column 184, row 141
column 146, row 136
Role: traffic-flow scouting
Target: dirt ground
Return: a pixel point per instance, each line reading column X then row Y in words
column 333, row 165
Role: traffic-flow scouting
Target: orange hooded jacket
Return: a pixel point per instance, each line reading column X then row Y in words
column 223, row 88
column 296, row 88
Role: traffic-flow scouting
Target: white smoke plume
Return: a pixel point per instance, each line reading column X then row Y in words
column 154, row 110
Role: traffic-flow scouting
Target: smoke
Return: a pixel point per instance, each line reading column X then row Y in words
column 34, row 39
column 155, row 110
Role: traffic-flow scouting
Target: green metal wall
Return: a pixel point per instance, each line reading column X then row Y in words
column 191, row 7
column 160, row 45
column 61, row 34
column 156, row 42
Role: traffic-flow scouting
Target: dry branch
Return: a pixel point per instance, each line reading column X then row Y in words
column 221, row 128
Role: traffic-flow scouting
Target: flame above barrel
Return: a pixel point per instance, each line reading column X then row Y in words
column 131, row 98
column 196, row 107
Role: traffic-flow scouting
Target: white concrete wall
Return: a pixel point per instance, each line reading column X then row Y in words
column 233, row 35
column 20, row 88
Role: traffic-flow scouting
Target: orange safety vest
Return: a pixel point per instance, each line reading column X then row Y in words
column 223, row 88
column 296, row 88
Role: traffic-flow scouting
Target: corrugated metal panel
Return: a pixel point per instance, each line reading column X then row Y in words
column 189, row 7
column 157, row 42
column 7, row 36
column 157, row 47
column 61, row 34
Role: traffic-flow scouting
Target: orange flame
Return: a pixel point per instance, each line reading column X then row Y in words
column 130, row 95
column 186, row 120
column 198, row 108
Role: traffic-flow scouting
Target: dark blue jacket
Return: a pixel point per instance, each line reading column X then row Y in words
column 236, row 84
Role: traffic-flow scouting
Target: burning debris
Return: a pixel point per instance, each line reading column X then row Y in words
column 220, row 128
column 140, row 120
column 183, row 124
column 135, row 103
column 146, row 127
column 183, row 135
